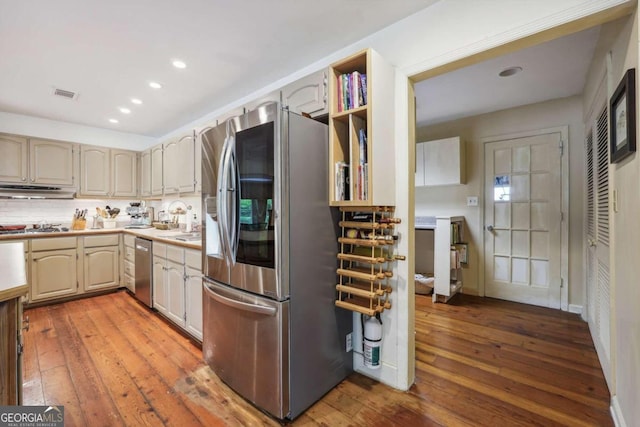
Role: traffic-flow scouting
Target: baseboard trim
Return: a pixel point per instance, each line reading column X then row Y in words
column 574, row 308
column 616, row 413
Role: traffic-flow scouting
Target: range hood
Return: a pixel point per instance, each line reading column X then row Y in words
column 35, row 192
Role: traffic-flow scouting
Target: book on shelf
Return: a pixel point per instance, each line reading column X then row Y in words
column 456, row 236
column 342, row 181
column 352, row 90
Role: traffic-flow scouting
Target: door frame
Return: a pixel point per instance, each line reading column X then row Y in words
column 564, row 223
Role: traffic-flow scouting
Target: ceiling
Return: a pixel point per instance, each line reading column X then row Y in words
column 108, row 52
column 552, row 70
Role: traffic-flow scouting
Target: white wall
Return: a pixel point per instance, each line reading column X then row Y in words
column 451, row 200
column 50, row 129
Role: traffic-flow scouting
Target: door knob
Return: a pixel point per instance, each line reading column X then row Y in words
column 591, row 242
column 490, row 228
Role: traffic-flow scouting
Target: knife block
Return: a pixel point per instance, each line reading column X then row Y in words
column 78, row 224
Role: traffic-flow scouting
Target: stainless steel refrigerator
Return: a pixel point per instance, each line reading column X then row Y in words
column 271, row 329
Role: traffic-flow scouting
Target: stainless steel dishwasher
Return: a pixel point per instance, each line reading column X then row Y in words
column 144, row 271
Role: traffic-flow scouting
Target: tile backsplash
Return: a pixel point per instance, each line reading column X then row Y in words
column 61, row 211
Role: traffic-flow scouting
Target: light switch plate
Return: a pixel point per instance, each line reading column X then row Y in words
column 349, row 343
column 472, row 200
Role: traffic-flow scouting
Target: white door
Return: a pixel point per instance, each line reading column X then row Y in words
column 523, row 195
column 597, row 231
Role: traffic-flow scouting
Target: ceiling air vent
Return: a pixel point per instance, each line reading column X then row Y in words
column 65, row 93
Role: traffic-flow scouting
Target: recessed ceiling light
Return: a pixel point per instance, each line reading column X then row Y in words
column 113, row 120
column 179, row 64
column 155, row 85
column 508, row 72
column 124, row 110
column 136, row 101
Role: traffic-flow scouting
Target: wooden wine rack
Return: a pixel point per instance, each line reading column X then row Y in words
column 366, row 251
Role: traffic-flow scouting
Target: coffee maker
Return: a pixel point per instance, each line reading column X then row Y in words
column 141, row 216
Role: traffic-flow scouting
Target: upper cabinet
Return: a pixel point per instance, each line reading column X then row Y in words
column 32, row 161
column 361, row 144
column 179, row 165
column 145, row 173
column 440, row 162
column 106, row 172
column 156, row 170
column 307, row 95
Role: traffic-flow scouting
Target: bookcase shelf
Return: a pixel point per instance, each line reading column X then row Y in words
column 365, row 259
column 449, row 237
column 361, row 147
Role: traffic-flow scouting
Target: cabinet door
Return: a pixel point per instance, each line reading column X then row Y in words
column 193, row 295
column 307, row 95
column 123, row 173
column 444, row 162
column 175, row 293
column 13, row 159
column 145, row 173
column 53, row 274
column 101, row 268
column 159, row 284
column 185, row 169
column 94, row 171
column 170, row 157
column 51, row 162
column 156, row 171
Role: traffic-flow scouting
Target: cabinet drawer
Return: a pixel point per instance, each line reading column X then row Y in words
column 53, row 243
column 96, row 241
column 129, row 240
column 193, row 258
column 175, row 254
column 129, row 268
column 129, row 254
column 159, row 249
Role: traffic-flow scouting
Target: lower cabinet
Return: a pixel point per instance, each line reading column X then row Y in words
column 67, row 266
column 54, row 268
column 101, row 262
column 177, row 286
column 129, row 262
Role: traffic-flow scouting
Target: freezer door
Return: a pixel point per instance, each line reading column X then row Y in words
column 245, row 342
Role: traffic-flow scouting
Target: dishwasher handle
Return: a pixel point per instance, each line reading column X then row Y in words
column 230, row 302
column 142, row 248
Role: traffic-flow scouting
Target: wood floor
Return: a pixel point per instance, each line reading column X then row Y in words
column 480, row 362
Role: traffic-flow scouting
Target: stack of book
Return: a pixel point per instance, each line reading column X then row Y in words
column 352, row 91
column 342, row 181
column 362, row 183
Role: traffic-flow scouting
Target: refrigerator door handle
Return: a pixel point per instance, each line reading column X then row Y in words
column 233, row 227
column 222, row 200
column 259, row 309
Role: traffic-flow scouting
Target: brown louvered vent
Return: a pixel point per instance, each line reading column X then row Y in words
column 65, row 93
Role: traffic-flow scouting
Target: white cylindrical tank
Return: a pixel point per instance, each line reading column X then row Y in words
column 372, row 342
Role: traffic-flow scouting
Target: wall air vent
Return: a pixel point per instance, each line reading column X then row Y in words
column 65, row 93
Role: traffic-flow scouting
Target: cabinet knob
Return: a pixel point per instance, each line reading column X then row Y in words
column 490, row 228
column 24, row 178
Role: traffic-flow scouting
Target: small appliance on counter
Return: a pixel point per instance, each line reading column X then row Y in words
column 141, row 216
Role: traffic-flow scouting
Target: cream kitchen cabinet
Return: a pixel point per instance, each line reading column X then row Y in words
column 101, row 262
column 440, row 162
column 179, row 165
column 307, row 95
column 107, row 172
column 53, row 268
column 145, row 173
column 177, row 286
column 157, row 185
column 193, row 292
column 129, row 263
column 32, row 161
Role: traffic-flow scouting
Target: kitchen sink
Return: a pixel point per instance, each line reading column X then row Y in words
column 185, row 237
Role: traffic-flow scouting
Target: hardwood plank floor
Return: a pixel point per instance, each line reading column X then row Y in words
column 479, row 362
